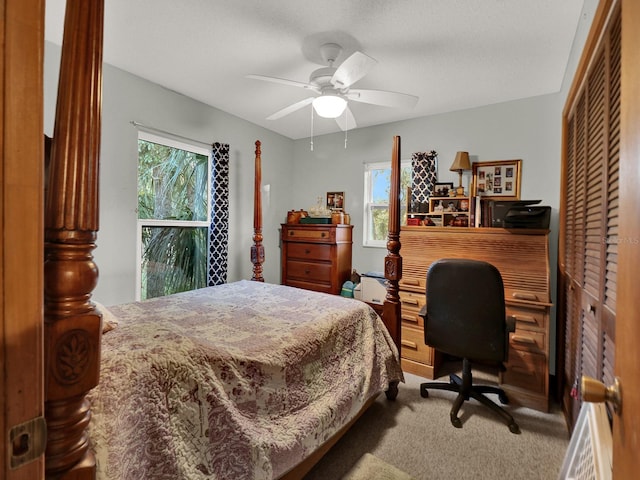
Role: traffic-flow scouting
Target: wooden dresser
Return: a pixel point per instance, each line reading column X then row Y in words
column 316, row 257
column 522, row 257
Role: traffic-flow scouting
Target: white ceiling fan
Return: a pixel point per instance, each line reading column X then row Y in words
column 333, row 88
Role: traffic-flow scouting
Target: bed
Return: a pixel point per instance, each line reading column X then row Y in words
column 243, row 380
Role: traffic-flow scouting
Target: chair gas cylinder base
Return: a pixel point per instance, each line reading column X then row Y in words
column 464, row 316
column 466, row 390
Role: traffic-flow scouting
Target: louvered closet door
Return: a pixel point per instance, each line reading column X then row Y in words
column 590, row 211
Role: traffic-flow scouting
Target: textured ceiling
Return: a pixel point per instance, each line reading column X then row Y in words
column 452, row 54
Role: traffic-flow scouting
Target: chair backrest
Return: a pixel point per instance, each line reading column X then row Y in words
column 465, row 312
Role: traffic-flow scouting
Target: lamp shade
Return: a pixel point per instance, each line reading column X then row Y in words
column 461, row 162
column 329, row 106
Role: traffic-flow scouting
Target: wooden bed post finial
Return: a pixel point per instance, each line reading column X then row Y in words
column 393, row 261
column 72, row 324
column 257, row 249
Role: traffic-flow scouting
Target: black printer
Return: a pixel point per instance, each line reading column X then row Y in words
column 519, row 214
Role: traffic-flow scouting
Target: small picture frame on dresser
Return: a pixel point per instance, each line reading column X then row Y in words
column 335, row 200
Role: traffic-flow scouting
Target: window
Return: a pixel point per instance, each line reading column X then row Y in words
column 173, row 216
column 377, row 180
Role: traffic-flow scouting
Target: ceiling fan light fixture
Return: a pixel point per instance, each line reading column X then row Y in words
column 329, row 106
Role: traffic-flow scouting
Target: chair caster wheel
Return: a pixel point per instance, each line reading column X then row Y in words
column 455, row 421
column 503, row 398
column 513, row 428
column 424, row 393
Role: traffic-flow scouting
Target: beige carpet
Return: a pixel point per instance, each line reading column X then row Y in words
column 414, row 434
column 370, row 467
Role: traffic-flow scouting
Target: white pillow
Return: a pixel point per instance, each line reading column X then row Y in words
column 109, row 320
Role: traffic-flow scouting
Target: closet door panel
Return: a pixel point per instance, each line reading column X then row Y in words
column 590, row 207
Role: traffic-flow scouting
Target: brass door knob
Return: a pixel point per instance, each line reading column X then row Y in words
column 595, row 391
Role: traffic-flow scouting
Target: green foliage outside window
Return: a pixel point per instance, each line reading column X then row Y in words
column 172, row 185
column 381, row 182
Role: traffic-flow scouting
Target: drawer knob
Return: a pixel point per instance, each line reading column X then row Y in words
column 307, row 251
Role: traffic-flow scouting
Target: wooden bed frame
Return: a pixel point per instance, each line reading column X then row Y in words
column 72, row 324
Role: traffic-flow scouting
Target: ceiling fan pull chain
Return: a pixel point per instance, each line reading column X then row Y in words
column 346, row 128
column 312, row 129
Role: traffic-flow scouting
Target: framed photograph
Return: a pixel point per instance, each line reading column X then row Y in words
column 499, row 179
column 442, row 189
column 335, row 200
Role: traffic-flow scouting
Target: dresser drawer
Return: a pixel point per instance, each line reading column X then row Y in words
column 309, row 251
column 526, row 370
column 413, row 346
column 312, row 285
column 528, row 317
column 528, row 340
column 310, row 234
column 307, row 271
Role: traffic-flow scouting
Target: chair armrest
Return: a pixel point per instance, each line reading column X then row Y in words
column 511, row 324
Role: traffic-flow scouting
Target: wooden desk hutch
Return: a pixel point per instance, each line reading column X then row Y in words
column 522, row 257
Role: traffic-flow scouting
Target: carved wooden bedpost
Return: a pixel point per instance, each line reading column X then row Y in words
column 257, row 249
column 72, row 325
column 393, row 260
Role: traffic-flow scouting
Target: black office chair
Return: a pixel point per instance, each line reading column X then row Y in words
column 465, row 317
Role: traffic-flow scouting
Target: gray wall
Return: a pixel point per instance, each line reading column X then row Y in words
column 526, row 129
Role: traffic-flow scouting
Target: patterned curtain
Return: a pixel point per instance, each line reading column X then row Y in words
column 424, row 175
column 219, row 227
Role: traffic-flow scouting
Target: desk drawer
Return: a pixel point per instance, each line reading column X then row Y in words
column 412, row 301
column 413, row 346
column 528, row 340
column 310, row 272
column 309, row 251
column 528, row 317
column 411, row 319
column 526, row 370
column 413, row 282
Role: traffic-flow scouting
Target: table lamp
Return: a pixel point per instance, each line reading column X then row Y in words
column 460, row 164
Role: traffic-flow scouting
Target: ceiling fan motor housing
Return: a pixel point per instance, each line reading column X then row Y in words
column 322, row 77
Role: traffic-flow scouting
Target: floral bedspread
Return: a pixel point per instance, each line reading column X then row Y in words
column 238, row 381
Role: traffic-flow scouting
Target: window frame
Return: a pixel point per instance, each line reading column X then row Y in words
column 369, row 205
column 146, row 222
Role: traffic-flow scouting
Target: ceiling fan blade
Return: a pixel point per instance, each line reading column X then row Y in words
column 346, row 121
column 291, row 108
column 352, row 69
column 383, row 98
column 283, row 81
